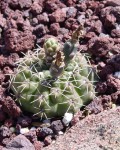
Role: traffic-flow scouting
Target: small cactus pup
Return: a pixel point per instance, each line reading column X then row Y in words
column 55, row 80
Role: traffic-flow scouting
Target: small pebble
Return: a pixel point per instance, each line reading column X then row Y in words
column 117, row 74
column 60, row 133
column 32, row 128
column 67, row 118
column 24, row 130
column 12, row 129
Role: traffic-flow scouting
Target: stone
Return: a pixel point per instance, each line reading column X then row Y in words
column 112, row 3
column 57, row 126
column 101, row 131
column 58, row 16
column 43, row 132
column 43, row 18
column 71, row 12
column 54, row 29
column 19, row 142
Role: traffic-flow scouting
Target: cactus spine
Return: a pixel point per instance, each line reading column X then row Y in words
column 54, row 80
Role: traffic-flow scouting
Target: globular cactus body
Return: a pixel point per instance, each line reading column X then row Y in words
column 49, row 83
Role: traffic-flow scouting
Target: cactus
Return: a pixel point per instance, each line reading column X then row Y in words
column 54, row 80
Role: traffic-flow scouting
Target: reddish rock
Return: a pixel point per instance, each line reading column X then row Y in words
column 70, row 2
column 58, row 16
column 25, row 3
column 18, row 41
column 2, row 21
column 99, row 104
column 54, row 29
column 82, row 7
column 2, row 61
column 53, row 5
column 115, row 33
column 116, row 97
column 113, row 83
column 110, row 21
column 71, row 12
column 97, row 27
column 2, row 77
column 43, row 18
column 9, row 122
column 100, row 46
column 76, row 118
column 36, row 9
column 10, row 107
column 31, row 136
column 47, row 140
column 69, row 22
column 38, row 145
column 7, row 70
column 93, row 132
column 112, row 3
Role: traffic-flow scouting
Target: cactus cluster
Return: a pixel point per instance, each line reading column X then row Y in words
column 54, row 79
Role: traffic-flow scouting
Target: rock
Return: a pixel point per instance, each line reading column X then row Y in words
column 34, row 21
column 4, row 132
column 71, row 12
column 54, row 29
column 47, row 140
column 10, row 107
column 25, row 3
column 40, row 30
column 24, row 130
column 113, row 83
column 38, row 145
column 58, row 16
column 97, row 132
column 43, row 18
column 43, row 132
column 51, row 6
column 2, row 21
column 99, row 104
column 18, row 41
column 70, row 22
column 36, row 9
column 115, row 33
column 112, row 3
column 100, row 46
column 57, row 126
column 31, row 135
column 24, row 121
column 19, row 142
column 70, row 2
column 67, row 118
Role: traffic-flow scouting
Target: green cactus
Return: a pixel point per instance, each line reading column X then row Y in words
column 54, row 80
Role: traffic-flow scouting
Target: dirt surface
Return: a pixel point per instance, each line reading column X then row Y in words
column 26, row 23
column 99, row 132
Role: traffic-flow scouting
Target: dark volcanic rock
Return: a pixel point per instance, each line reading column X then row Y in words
column 43, row 132
column 24, row 121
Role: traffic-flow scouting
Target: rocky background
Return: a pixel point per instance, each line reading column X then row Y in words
column 24, row 24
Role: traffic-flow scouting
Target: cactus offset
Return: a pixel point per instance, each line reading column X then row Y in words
column 54, row 80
